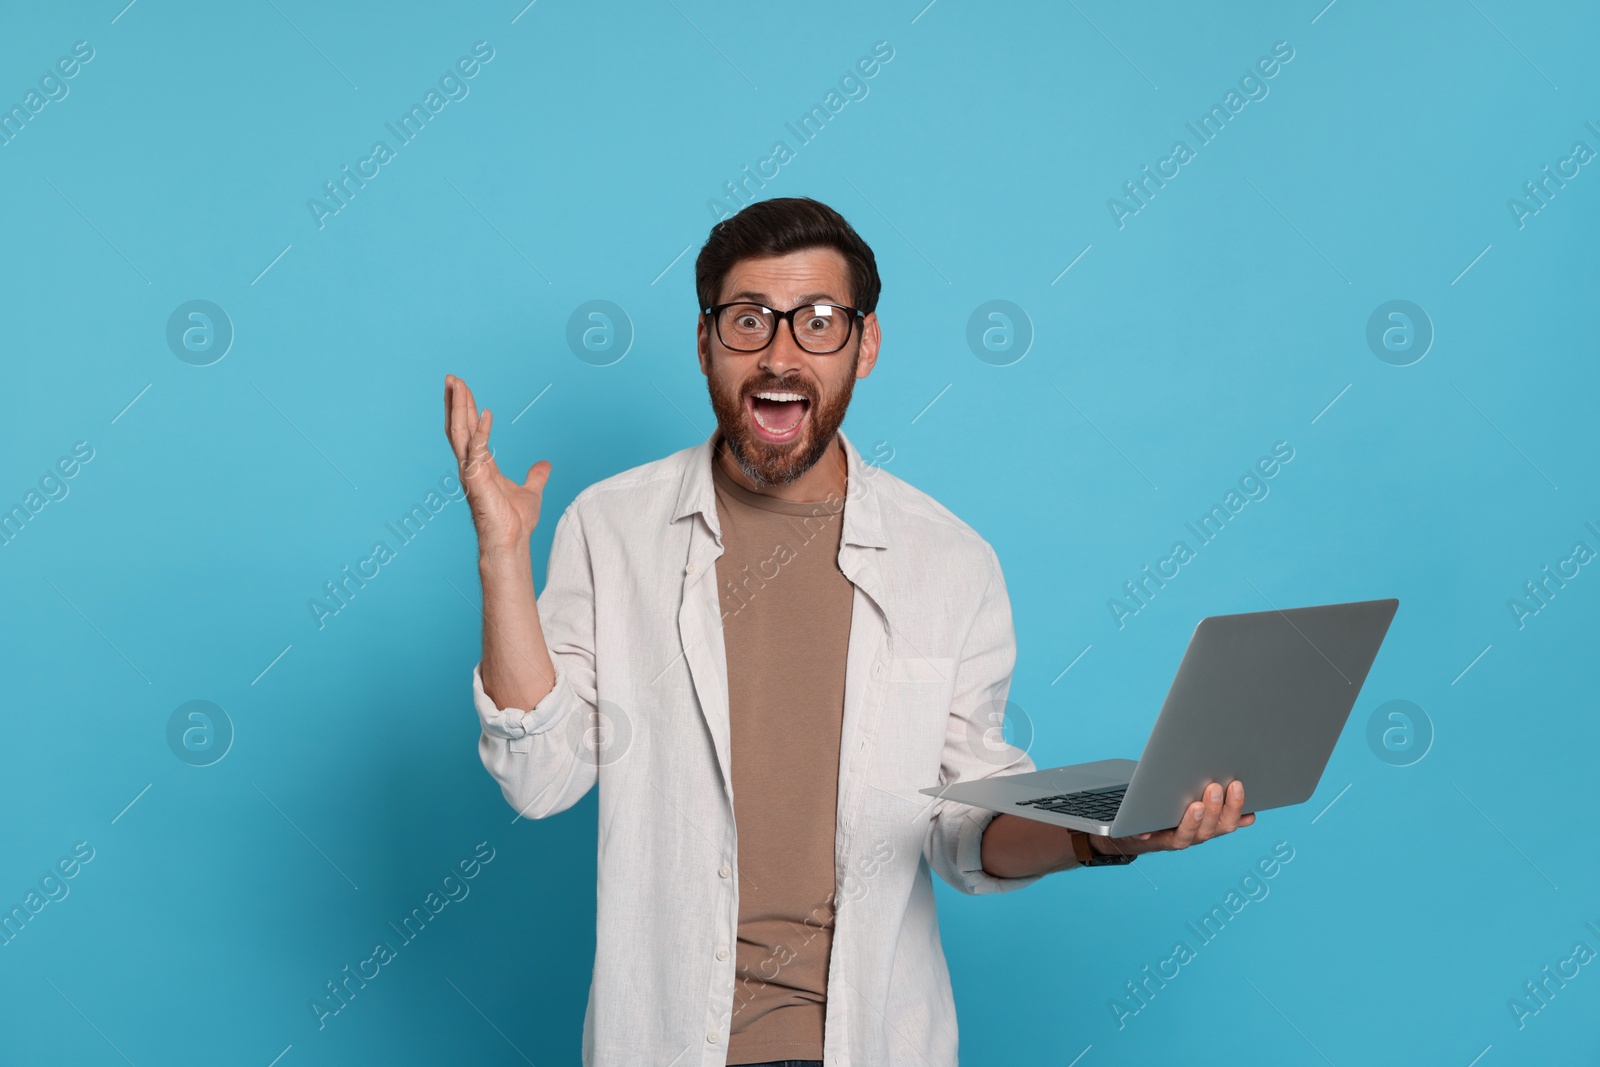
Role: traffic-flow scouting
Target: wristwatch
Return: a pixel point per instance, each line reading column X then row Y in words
column 1088, row 857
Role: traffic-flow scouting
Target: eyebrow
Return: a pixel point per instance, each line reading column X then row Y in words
column 766, row 301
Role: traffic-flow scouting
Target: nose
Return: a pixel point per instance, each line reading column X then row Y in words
column 783, row 354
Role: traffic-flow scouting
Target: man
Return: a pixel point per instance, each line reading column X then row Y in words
column 761, row 647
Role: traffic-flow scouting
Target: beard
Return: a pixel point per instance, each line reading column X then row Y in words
column 764, row 462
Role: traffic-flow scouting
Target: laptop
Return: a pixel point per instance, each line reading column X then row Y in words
column 1261, row 697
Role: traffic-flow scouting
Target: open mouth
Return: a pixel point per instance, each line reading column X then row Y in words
column 778, row 415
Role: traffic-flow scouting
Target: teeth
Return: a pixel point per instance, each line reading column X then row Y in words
column 780, row 396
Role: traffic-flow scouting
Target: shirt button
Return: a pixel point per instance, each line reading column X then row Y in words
column 689, row 569
column 711, row 1036
column 725, row 870
column 722, row 953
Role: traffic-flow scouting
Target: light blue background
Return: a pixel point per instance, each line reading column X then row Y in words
column 1223, row 317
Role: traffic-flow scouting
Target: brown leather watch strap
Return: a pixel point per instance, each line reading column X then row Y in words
column 1089, row 856
column 1081, row 847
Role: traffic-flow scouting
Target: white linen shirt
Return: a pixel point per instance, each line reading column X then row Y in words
column 632, row 619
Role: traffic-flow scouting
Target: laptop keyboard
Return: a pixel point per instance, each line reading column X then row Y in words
column 1098, row 805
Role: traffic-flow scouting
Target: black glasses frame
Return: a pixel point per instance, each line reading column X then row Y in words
column 715, row 315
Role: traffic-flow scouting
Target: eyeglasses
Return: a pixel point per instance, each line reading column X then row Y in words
column 821, row 330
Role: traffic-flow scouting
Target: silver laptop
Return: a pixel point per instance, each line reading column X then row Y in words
column 1261, row 697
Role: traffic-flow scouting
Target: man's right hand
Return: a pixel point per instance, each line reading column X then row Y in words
column 503, row 512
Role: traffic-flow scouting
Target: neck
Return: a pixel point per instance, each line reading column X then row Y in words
column 824, row 481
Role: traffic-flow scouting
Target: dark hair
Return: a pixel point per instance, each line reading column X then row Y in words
column 777, row 227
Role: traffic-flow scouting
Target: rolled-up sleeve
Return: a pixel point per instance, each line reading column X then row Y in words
column 539, row 755
column 972, row 747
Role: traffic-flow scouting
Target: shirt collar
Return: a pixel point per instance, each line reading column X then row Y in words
column 863, row 511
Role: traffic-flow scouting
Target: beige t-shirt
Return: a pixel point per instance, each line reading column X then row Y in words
column 786, row 628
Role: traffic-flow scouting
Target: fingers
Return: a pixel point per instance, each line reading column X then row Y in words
column 1224, row 810
column 1183, row 835
column 1212, row 817
column 461, row 416
column 1233, row 809
column 1197, row 817
column 1218, row 811
column 478, row 462
column 449, row 414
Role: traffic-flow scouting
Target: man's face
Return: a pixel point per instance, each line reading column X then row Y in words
column 779, row 409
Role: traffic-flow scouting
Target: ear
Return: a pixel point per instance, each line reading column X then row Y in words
column 869, row 345
column 702, row 344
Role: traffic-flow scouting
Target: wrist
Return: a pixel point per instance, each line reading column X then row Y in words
column 512, row 560
column 1108, row 846
column 1095, row 850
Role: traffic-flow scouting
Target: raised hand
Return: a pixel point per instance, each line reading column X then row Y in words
column 504, row 512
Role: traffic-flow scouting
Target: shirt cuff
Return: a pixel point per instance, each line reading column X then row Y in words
column 969, row 856
column 516, row 724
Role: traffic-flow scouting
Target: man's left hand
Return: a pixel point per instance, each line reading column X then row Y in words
column 1218, row 813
